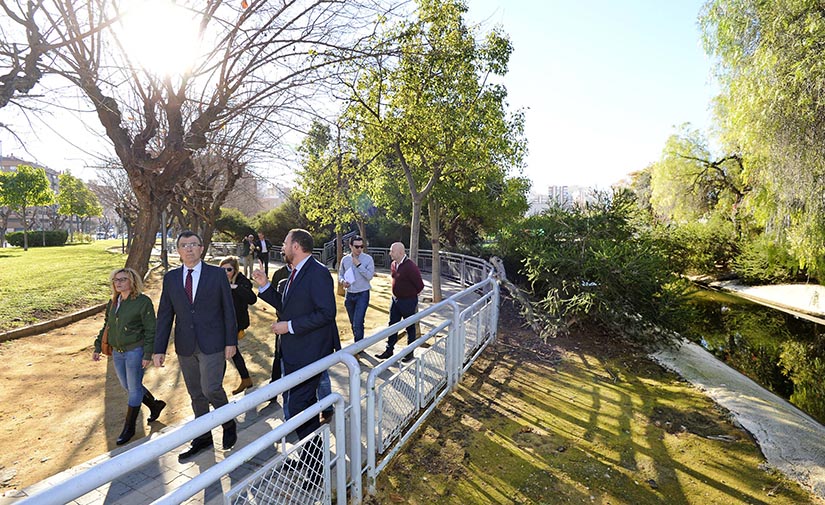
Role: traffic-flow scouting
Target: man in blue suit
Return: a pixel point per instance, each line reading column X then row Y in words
column 306, row 325
column 198, row 298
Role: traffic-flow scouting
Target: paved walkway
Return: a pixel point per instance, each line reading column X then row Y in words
column 792, row 441
column 150, row 482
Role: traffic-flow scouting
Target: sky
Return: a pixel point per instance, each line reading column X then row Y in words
column 602, row 83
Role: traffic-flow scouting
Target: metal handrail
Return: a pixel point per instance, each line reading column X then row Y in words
column 456, row 362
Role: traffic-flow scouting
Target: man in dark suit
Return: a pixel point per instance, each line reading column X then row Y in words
column 306, row 325
column 262, row 248
column 198, row 298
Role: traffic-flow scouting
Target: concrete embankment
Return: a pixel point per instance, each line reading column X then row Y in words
column 792, row 441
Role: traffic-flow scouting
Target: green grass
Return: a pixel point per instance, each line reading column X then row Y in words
column 588, row 428
column 45, row 282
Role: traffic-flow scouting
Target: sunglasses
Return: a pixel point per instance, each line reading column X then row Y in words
column 120, row 279
column 358, row 246
column 228, row 269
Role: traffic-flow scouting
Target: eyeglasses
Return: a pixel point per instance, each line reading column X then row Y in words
column 120, row 279
column 229, row 269
column 357, row 246
column 189, row 246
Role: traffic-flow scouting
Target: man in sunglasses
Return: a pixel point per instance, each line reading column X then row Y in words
column 356, row 272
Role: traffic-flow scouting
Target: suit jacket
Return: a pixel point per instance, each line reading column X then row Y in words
column 258, row 249
column 310, row 306
column 242, row 298
column 209, row 320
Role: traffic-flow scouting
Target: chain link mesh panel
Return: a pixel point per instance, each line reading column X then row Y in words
column 299, row 477
column 397, row 404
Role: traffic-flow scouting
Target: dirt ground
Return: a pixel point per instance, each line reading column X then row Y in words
column 60, row 408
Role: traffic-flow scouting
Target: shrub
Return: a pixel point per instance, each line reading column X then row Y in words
column 233, row 225
column 594, row 265
column 699, row 247
column 52, row 238
column 763, row 261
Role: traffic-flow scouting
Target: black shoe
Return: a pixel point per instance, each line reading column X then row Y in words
column 409, row 357
column 326, row 416
column 230, row 435
column 384, row 355
column 196, row 447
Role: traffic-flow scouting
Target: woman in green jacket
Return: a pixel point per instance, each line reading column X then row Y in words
column 130, row 318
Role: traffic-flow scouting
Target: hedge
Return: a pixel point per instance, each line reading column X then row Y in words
column 53, row 238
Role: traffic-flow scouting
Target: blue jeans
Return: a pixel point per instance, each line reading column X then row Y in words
column 356, row 305
column 129, row 369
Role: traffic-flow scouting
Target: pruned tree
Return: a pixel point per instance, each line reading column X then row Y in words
column 246, row 58
column 26, row 189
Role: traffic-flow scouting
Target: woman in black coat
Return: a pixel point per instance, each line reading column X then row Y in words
column 242, row 297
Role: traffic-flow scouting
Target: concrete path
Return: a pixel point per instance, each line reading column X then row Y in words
column 150, row 482
column 792, row 441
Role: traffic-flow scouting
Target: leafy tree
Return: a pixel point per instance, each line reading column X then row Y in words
column 688, row 184
column 769, row 64
column 431, row 112
column 333, row 182
column 24, row 190
column 74, row 198
column 234, row 224
column 277, row 222
column 595, row 265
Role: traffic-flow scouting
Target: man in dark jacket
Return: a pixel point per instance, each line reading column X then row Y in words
column 197, row 297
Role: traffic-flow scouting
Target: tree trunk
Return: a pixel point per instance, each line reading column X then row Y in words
column 25, row 230
column 362, row 230
column 415, row 227
column 339, row 255
column 142, row 235
column 434, row 234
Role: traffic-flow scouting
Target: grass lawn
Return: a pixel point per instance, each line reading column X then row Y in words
column 45, row 282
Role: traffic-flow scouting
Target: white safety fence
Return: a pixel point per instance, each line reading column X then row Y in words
column 393, row 399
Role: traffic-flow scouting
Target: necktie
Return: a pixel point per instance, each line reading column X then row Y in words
column 188, row 285
column 289, row 282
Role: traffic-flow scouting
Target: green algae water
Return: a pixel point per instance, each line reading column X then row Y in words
column 782, row 352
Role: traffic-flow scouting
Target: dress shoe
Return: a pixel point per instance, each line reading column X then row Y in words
column 384, row 355
column 245, row 384
column 230, row 435
column 196, row 447
column 409, row 357
column 326, row 416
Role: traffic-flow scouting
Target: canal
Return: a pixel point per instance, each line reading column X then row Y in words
column 782, row 352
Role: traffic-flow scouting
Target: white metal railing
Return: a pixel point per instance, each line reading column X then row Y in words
column 394, row 400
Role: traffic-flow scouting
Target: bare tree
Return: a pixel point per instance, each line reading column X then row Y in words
column 263, row 59
column 114, row 192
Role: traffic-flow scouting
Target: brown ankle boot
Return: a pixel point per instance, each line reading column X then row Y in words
column 245, row 384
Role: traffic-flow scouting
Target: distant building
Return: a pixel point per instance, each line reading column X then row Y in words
column 10, row 164
column 565, row 197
